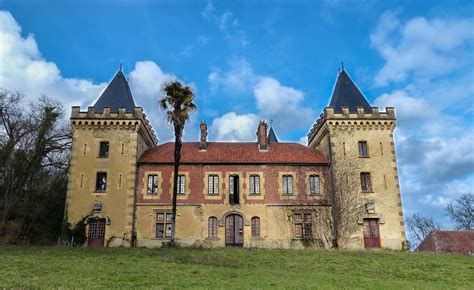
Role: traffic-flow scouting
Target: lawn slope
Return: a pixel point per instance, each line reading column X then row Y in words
column 52, row 267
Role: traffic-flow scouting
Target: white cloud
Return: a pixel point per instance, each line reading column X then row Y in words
column 239, row 79
column 145, row 82
column 407, row 108
column 234, row 127
column 282, row 104
column 422, row 47
column 22, row 68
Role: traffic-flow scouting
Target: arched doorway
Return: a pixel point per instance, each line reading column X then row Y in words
column 234, row 230
column 96, row 232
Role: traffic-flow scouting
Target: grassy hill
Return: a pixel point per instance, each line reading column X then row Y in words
column 53, row 267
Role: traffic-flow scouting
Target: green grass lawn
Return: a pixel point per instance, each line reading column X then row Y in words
column 52, row 267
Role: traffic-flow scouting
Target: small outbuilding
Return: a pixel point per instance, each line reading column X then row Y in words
column 459, row 242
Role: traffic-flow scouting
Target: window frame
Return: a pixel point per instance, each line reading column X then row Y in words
column 318, row 187
column 212, row 228
column 154, row 185
column 305, row 224
column 107, row 151
column 254, row 185
column 165, row 222
column 363, row 147
column 255, row 227
column 97, row 189
column 287, row 188
column 366, row 182
column 214, row 189
column 181, row 184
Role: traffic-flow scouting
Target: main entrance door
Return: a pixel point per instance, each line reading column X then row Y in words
column 234, row 230
column 96, row 233
column 371, row 233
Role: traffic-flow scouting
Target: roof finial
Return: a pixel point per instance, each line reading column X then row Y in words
column 342, row 65
column 271, row 122
column 121, row 67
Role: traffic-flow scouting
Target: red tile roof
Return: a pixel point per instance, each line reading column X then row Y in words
column 461, row 242
column 234, row 152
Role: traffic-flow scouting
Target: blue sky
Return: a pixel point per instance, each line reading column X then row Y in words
column 249, row 60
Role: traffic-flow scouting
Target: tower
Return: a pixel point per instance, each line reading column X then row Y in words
column 358, row 140
column 107, row 141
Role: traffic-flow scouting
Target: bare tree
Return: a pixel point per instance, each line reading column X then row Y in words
column 419, row 227
column 461, row 212
column 348, row 201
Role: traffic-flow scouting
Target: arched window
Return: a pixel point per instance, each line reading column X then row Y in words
column 212, row 227
column 255, row 227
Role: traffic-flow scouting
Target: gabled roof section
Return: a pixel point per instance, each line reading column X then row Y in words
column 272, row 138
column 347, row 94
column 116, row 95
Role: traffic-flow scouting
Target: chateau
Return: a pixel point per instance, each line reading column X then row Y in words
column 264, row 194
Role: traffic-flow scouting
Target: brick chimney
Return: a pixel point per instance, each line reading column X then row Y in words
column 262, row 136
column 203, row 142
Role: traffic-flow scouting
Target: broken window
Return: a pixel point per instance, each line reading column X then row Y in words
column 104, row 149
column 101, row 181
column 152, row 184
column 365, row 182
column 303, row 226
column 163, row 225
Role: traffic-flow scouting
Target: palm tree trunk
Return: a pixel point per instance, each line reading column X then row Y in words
column 177, row 158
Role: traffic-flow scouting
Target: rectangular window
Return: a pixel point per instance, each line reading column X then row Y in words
column 181, row 184
column 101, row 181
column 104, row 149
column 163, row 225
column 314, row 187
column 363, row 152
column 303, row 225
column 152, row 184
column 254, row 181
column 365, row 182
column 287, row 184
column 213, row 185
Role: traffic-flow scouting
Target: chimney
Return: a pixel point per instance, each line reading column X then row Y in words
column 203, row 142
column 262, row 136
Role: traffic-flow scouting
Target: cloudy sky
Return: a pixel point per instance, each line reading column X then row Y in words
column 277, row 61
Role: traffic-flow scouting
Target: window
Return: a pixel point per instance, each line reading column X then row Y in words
column 365, row 182
column 234, row 189
column 314, row 188
column 303, row 225
column 152, row 184
column 101, row 181
column 287, row 184
column 213, row 184
column 212, row 227
column 104, row 149
column 254, row 181
column 255, row 227
column 181, row 184
column 163, row 225
column 363, row 152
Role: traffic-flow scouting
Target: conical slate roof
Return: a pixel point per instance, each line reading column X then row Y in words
column 272, row 138
column 116, row 95
column 347, row 94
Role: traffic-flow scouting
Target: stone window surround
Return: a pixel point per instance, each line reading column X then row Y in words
column 247, row 187
column 321, row 183
column 220, row 186
column 280, row 185
column 187, row 189
column 159, row 191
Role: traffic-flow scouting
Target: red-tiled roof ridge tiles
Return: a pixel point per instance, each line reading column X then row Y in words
column 235, row 152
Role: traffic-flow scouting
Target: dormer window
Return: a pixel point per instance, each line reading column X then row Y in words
column 104, row 149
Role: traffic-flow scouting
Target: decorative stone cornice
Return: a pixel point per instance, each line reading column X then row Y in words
column 354, row 120
column 121, row 118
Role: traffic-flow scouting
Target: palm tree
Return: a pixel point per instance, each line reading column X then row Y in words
column 177, row 103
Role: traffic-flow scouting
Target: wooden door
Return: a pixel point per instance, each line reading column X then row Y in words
column 371, row 233
column 234, row 230
column 96, row 233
